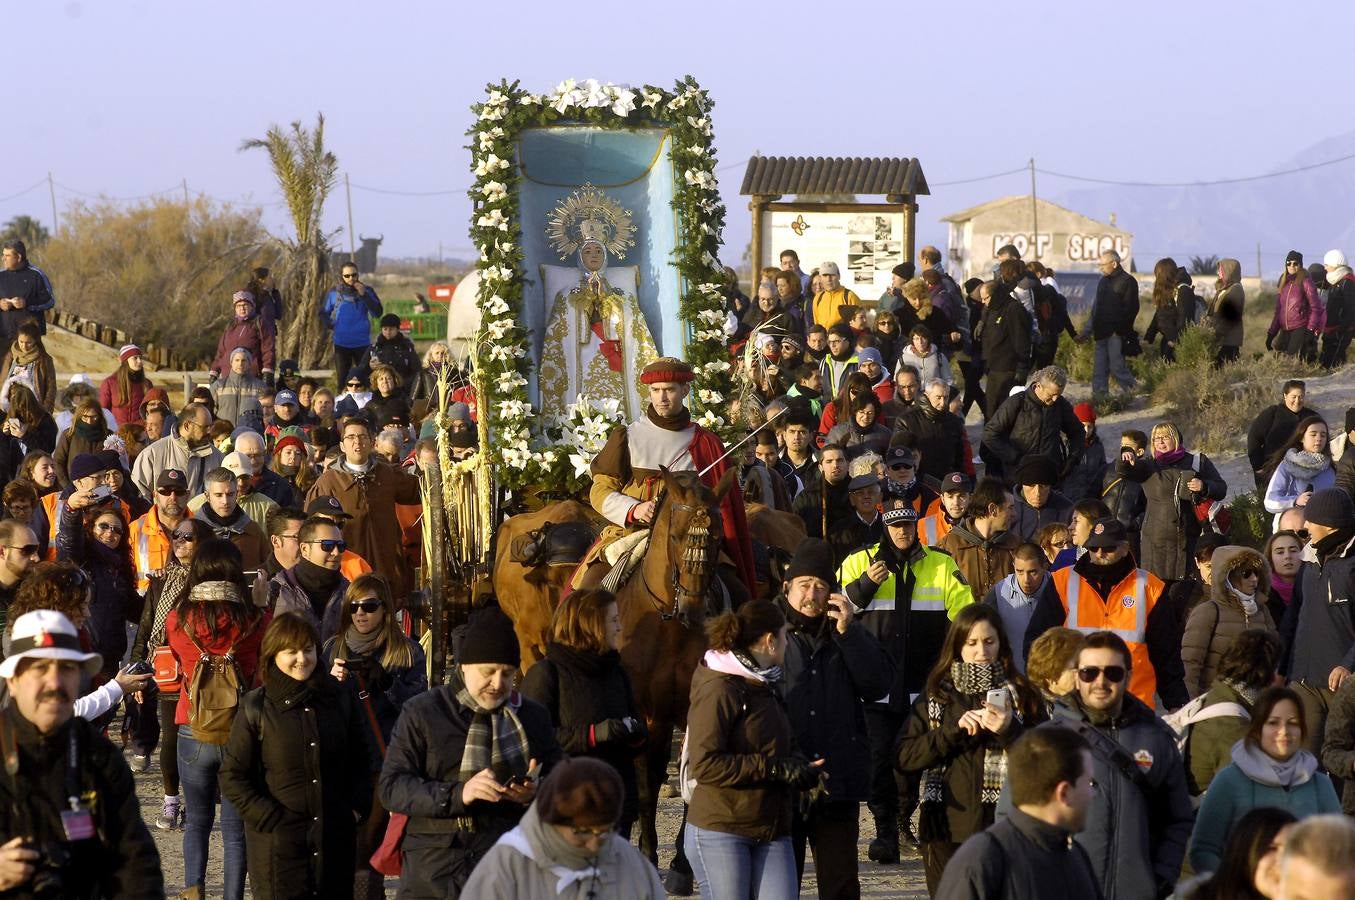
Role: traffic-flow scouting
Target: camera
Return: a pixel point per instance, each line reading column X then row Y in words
column 48, row 879
column 101, row 493
column 140, row 667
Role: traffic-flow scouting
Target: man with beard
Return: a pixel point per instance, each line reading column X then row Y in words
column 1039, row 504
column 314, row 586
column 905, row 595
column 940, row 434
column 981, row 544
column 824, row 499
column 1105, row 589
column 946, row 512
column 861, row 527
column 18, row 552
column 833, row 667
column 229, row 522
column 1139, row 824
column 149, row 536
column 189, row 450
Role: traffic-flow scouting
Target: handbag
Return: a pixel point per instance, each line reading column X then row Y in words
column 389, row 859
column 167, row 676
column 1130, row 346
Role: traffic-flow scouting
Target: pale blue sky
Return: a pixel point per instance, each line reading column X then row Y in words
column 126, row 98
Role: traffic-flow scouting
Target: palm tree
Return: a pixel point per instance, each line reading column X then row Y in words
column 27, row 229
column 1204, row 265
column 306, row 174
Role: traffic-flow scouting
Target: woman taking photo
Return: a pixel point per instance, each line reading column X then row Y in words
column 1173, row 480
column 298, row 770
column 1301, row 467
column 1237, row 601
column 27, row 360
column 381, row 669
column 167, row 589
column 28, row 423
column 85, row 434
column 1270, row 767
column 1284, row 552
column 214, row 617
column 464, row 759
column 957, row 736
column 124, row 390
column 741, row 753
column 93, row 535
column 581, row 684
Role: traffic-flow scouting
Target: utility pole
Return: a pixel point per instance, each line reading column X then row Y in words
column 185, row 193
column 1258, row 259
column 51, row 188
column 1034, row 214
column 348, row 192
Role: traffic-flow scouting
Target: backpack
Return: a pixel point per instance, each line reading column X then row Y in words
column 214, row 691
column 1195, row 712
column 686, row 782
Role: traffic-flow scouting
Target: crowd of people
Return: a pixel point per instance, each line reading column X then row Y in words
column 1036, row 658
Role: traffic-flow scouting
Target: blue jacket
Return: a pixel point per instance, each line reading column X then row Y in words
column 350, row 317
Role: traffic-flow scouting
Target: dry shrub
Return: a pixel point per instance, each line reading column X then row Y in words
column 162, row 271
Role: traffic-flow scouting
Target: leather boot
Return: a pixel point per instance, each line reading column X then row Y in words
column 885, row 848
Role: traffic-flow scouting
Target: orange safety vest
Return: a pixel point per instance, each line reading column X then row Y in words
column 1125, row 613
column 933, row 527
column 151, row 546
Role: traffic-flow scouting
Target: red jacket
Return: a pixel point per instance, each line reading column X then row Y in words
column 129, row 412
column 254, row 334
column 246, row 652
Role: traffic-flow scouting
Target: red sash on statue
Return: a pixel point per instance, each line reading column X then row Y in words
column 705, row 449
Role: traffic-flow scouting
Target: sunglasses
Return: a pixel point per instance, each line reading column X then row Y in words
column 367, row 606
column 106, row 527
column 357, row 384
column 183, row 537
column 900, row 466
column 1291, row 265
column 1088, row 674
column 1300, row 535
column 25, row 550
column 331, row 546
column 1249, row 572
column 172, row 492
column 349, row 276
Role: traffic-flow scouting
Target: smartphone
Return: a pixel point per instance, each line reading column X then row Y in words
column 517, row 781
column 997, row 698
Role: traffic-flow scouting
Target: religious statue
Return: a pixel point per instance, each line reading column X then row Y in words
column 596, row 338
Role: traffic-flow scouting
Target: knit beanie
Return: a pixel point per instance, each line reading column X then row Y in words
column 1085, row 412
column 1294, row 256
column 489, row 638
column 812, row 557
column 1350, row 419
column 1332, row 507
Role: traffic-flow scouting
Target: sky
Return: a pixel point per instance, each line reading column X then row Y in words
column 128, row 98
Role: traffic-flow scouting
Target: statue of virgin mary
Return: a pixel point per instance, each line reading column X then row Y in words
column 596, row 339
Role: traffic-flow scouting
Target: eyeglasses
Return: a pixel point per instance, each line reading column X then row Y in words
column 367, row 606
column 183, row 537
column 25, row 550
column 172, row 492
column 1061, row 545
column 331, row 546
column 1088, row 674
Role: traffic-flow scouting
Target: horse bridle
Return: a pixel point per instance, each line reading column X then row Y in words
column 696, row 560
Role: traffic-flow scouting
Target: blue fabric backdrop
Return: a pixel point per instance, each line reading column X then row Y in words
column 632, row 166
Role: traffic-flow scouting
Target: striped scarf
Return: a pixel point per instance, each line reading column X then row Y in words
column 495, row 739
column 970, row 680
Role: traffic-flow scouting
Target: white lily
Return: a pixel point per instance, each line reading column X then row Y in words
column 624, row 103
column 652, row 99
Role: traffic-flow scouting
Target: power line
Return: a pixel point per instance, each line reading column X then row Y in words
column 1017, row 171
column 375, row 190
column 99, row 196
column 1216, row 181
column 37, row 184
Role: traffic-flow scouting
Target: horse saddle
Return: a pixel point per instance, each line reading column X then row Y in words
column 623, row 556
column 553, row 544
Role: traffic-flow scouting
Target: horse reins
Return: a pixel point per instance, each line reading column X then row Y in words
column 695, row 559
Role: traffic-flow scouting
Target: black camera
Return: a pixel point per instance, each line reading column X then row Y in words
column 48, row 878
column 140, row 667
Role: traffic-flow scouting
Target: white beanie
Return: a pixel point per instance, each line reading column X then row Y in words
column 1334, row 258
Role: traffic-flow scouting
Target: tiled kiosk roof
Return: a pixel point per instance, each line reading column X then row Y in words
column 781, row 175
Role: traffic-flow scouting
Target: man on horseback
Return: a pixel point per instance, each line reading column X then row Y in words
column 626, row 473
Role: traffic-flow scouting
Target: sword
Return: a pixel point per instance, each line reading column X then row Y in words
column 722, row 457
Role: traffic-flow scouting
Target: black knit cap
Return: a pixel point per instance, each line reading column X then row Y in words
column 1332, row 507
column 812, row 557
column 1294, row 256
column 489, row 638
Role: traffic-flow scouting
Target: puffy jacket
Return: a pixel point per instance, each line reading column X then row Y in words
column 932, row 366
column 1297, row 306
column 297, row 766
column 1319, row 626
column 940, row 438
column 398, row 353
column 254, row 334
column 1270, row 430
column 1209, row 746
column 1215, row 624
column 237, row 399
column 1170, row 527
column 1115, row 306
column 124, row 412
column 349, row 316
column 1023, row 425
column 1136, row 836
column 829, row 677
column 1288, row 481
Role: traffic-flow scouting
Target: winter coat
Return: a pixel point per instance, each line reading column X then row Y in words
column 1126, row 501
column 1019, row 858
column 380, row 408
column 1269, row 431
column 960, row 755
column 278, row 489
column 1135, row 835
column 1319, row 626
column 1289, row 480
column 32, row 285
column 286, row 595
column 237, row 396
column 982, row 563
column 1023, row 426
column 1215, row 624
column 297, row 767
column 580, row 690
column 444, row 837
column 1209, row 746
column 124, row 412
column 1083, row 481
column 1224, row 314
column 349, row 316
column 1114, row 307
column 115, row 601
column 828, row 679
column 370, row 499
column 40, row 376
column 1169, row 320
column 1338, row 745
column 398, row 353
column 940, row 438
column 932, row 366
column 857, row 440
column 1345, row 473
column 1027, row 520
column 1244, row 785
column 69, row 445
column 11, row 459
column 1341, row 301
column 172, row 452
column 254, row 334
column 1169, row 524
column 387, row 689
column 735, row 729
column 1297, row 306
column 1004, row 335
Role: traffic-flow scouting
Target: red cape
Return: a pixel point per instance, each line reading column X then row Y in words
column 706, row 449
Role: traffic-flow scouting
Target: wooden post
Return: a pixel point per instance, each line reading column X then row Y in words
column 758, row 206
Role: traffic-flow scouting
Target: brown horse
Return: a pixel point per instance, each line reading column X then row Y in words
column 663, row 610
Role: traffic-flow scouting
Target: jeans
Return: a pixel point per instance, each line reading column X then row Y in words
column 732, row 867
column 1108, row 361
column 199, row 765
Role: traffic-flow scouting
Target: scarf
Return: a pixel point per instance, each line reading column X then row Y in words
column 171, row 589
column 1265, row 769
column 970, row 680
column 364, row 644
column 810, row 626
column 740, row 664
column 567, row 863
column 1283, row 589
column 220, row 524
column 318, row 582
column 94, row 432
column 216, row 592
column 1170, row 457
column 677, row 422
column 1248, row 601
column 1248, row 692
column 136, row 375
column 1307, row 462
column 23, row 357
column 495, row 738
